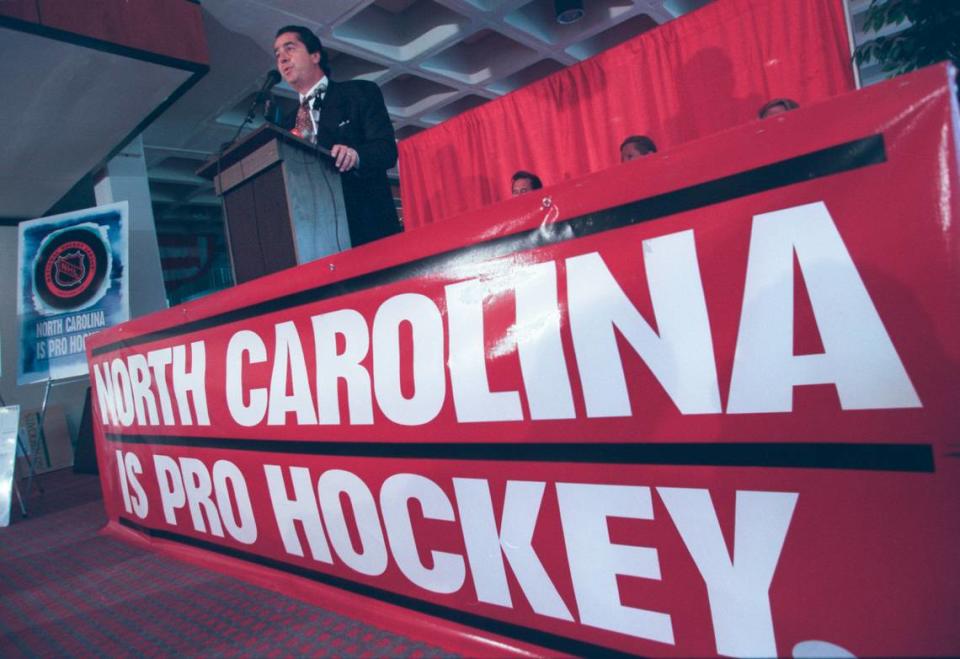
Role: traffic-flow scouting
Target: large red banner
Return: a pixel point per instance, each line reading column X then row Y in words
column 702, row 403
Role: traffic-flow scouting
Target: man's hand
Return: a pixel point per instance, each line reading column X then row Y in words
column 346, row 158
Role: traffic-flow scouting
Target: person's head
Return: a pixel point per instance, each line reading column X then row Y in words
column 636, row 146
column 300, row 57
column 777, row 106
column 523, row 182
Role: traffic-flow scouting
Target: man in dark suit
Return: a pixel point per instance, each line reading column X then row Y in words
column 351, row 120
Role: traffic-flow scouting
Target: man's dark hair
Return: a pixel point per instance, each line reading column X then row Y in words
column 644, row 143
column 785, row 103
column 310, row 41
column 535, row 182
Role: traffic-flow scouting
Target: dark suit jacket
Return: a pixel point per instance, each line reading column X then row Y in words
column 354, row 114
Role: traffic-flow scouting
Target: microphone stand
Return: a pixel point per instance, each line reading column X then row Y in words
column 251, row 113
column 273, row 77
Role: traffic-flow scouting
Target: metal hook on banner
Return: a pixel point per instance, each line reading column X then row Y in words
column 549, row 231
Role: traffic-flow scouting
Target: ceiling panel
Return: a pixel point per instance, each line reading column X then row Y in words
column 52, row 125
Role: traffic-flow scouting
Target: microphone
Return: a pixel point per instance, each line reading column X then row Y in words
column 264, row 96
column 273, row 77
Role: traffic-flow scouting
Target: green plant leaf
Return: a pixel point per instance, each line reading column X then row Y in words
column 932, row 34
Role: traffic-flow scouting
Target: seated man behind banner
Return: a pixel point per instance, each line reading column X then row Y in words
column 636, row 146
column 349, row 118
column 777, row 106
column 523, row 182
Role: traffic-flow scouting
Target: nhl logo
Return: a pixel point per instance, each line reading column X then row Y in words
column 71, row 268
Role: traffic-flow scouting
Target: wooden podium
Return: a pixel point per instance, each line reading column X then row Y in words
column 283, row 203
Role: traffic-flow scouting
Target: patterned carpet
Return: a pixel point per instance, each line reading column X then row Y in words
column 67, row 592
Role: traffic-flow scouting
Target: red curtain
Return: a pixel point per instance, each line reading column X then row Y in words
column 707, row 71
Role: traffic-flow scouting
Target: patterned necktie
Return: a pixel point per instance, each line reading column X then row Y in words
column 304, row 125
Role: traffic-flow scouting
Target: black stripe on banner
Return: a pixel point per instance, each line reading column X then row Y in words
column 816, row 164
column 814, row 455
column 499, row 627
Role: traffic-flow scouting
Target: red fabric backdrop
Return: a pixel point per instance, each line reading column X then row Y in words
column 702, row 73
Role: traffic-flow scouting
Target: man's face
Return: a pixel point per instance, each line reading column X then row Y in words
column 779, row 108
column 631, row 150
column 298, row 67
column 521, row 186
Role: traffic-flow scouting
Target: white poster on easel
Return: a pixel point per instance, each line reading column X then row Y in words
column 73, row 280
column 9, row 426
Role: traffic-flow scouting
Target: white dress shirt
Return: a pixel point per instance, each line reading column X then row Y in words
column 319, row 89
